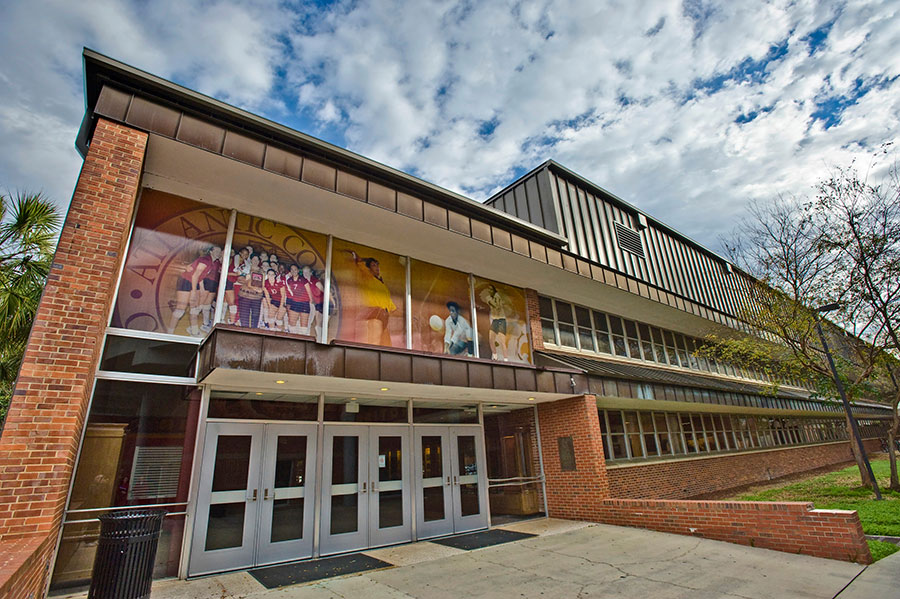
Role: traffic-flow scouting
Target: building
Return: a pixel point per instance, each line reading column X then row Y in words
column 297, row 351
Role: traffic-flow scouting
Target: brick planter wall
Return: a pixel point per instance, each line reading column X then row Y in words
column 792, row 527
column 43, row 428
column 691, row 477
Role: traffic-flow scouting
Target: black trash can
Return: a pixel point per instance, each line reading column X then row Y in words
column 123, row 566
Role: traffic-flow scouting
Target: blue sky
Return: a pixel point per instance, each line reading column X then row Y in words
column 688, row 109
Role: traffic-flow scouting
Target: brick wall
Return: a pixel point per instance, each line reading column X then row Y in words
column 43, row 428
column 692, row 477
column 791, row 527
column 534, row 319
column 573, row 494
column 24, row 566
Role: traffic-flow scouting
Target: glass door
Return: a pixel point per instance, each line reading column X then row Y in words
column 345, row 478
column 227, row 509
column 389, row 488
column 469, row 479
column 287, row 493
column 434, row 498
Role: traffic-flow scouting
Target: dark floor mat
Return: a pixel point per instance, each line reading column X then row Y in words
column 477, row 540
column 273, row 577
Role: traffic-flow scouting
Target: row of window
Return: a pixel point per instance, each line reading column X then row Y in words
column 632, row 434
column 634, row 390
column 569, row 325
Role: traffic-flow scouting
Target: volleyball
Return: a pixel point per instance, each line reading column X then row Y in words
column 436, row 322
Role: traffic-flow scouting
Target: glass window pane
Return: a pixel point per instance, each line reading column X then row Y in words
column 564, row 312
column 546, row 307
column 232, row 463
column 583, row 315
column 600, row 321
column 225, row 527
column 548, row 331
column 615, row 324
column 147, row 356
column 586, row 339
column 566, row 335
column 290, row 461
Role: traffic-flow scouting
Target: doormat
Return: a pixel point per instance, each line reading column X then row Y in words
column 477, row 540
column 284, row 575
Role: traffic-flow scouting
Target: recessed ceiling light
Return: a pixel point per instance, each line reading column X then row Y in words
column 279, row 382
column 530, row 399
column 352, row 399
column 385, row 389
column 258, row 393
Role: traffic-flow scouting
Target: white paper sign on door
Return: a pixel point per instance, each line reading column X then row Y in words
column 382, row 460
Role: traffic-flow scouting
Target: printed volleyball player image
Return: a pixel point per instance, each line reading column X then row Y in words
column 274, row 306
column 251, row 294
column 375, row 303
column 316, row 291
column 297, row 299
column 457, row 333
column 235, row 271
column 501, row 312
column 196, row 287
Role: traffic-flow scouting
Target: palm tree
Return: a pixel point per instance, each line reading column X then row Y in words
column 29, row 224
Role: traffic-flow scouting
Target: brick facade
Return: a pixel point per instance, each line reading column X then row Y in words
column 692, row 477
column 574, row 494
column 793, row 527
column 43, row 428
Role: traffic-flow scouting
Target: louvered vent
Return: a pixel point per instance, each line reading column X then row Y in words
column 629, row 240
column 155, row 472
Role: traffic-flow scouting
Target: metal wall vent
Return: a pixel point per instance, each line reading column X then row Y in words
column 155, row 472
column 629, row 240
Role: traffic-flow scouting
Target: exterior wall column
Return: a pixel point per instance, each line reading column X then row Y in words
column 40, row 438
column 574, row 494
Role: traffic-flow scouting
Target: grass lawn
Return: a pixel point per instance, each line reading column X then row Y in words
column 841, row 490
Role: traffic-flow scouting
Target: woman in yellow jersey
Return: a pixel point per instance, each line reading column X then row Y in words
column 375, row 300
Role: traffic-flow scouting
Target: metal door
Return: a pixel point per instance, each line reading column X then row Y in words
column 434, row 497
column 287, row 493
column 345, row 477
column 470, row 507
column 227, row 509
column 389, row 485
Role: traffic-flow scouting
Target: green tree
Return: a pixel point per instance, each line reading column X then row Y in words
column 29, row 224
column 840, row 246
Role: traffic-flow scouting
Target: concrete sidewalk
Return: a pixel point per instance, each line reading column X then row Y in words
column 573, row 559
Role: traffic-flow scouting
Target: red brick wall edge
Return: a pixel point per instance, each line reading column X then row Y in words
column 789, row 527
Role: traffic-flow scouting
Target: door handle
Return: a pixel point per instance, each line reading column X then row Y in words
column 455, row 480
column 266, row 495
column 448, row 481
column 364, row 488
column 373, row 487
column 253, row 497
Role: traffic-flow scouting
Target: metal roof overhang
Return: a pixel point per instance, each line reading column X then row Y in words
column 633, row 372
column 234, row 358
column 100, row 70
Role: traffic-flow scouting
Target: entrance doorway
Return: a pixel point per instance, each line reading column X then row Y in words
column 451, row 484
column 255, row 503
column 365, row 487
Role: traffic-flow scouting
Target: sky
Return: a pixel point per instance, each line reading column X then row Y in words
column 689, row 110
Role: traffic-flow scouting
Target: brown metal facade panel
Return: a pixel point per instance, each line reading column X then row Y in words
column 283, row 162
column 525, row 380
column 396, row 367
column 362, row 364
column 324, row 360
column 538, row 252
column 318, row 174
column 153, row 117
column 284, row 356
column 554, row 258
column 459, row 223
column 546, row 381
column 236, row 351
column 569, row 263
column 504, row 377
column 410, row 206
column 482, row 231
column 113, row 103
column 501, row 238
column 200, row 133
column 480, row 376
column 383, row 197
column 351, row 185
column 454, row 373
column 519, row 245
column 426, row 370
column 436, row 215
column 240, row 147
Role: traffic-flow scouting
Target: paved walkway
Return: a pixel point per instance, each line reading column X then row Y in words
column 573, row 559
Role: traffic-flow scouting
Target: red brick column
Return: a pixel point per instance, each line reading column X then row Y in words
column 574, row 494
column 43, row 428
column 534, row 319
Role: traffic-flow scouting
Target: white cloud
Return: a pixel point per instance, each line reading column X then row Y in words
column 467, row 94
